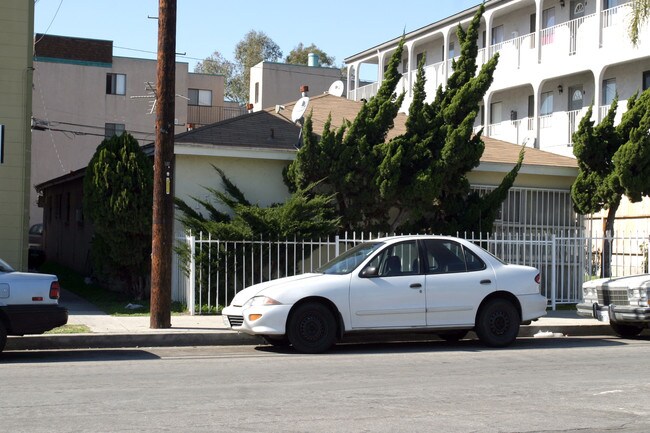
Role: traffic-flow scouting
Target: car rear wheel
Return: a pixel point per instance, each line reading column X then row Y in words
column 625, row 331
column 3, row 336
column 497, row 324
column 312, row 328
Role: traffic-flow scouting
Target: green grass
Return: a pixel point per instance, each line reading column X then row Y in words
column 113, row 303
column 70, row 329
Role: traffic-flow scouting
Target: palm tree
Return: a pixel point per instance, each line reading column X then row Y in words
column 640, row 14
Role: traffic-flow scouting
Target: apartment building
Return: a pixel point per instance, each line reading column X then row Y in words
column 16, row 31
column 83, row 94
column 556, row 58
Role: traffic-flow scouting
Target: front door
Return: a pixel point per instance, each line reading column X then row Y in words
column 577, row 11
column 393, row 297
column 575, row 97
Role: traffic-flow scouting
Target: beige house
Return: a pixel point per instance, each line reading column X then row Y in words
column 16, row 33
column 82, row 94
column 274, row 84
column 253, row 149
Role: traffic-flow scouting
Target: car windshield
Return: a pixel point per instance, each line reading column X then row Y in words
column 4, row 267
column 349, row 260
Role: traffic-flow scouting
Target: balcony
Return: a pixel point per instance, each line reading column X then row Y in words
column 199, row 115
column 564, row 47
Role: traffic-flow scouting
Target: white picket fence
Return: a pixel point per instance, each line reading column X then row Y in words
column 217, row 269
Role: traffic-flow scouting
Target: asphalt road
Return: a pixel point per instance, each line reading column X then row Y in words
column 587, row 384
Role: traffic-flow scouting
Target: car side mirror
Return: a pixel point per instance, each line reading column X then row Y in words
column 369, row 272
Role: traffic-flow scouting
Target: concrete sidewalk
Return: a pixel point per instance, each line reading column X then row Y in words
column 134, row 331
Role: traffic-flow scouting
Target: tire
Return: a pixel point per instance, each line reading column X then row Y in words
column 276, row 340
column 312, row 328
column 3, row 336
column 497, row 323
column 625, row 331
column 453, row 336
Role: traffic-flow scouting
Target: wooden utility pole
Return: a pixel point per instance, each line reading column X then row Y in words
column 163, row 203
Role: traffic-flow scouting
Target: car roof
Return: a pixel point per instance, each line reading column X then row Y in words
column 397, row 238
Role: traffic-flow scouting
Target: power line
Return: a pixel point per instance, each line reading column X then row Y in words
column 51, row 22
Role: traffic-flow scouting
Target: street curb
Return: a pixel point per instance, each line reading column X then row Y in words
column 105, row 341
column 229, row 338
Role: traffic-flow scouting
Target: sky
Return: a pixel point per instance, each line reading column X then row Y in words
column 205, row 26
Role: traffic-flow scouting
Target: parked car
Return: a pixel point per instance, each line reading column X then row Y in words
column 437, row 284
column 623, row 302
column 29, row 303
column 36, row 252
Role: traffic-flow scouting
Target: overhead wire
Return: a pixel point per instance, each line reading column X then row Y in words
column 51, row 22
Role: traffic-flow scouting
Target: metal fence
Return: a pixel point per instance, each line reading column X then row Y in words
column 209, row 272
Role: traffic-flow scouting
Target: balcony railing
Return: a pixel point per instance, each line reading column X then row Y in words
column 201, row 115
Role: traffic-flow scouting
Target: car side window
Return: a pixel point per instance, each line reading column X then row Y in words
column 474, row 262
column 397, row 260
column 445, row 257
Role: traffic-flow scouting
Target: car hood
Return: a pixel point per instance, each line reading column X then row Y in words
column 621, row 282
column 286, row 283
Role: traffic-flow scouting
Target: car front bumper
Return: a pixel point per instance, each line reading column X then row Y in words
column 272, row 320
column 615, row 313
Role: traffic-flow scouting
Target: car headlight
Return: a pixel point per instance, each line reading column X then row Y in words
column 260, row 300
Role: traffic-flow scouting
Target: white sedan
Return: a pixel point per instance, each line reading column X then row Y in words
column 29, row 303
column 404, row 283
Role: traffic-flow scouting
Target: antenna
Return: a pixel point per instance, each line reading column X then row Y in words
column 299, row 109
column 151, row 94
column 336, row 88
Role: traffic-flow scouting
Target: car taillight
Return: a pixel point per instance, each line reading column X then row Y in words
column 538, row 278
column 55, row 290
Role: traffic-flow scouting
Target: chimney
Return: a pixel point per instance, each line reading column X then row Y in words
column 313, row 60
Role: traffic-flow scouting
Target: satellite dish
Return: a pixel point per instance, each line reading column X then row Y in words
column 299, row 109
column 336, row 88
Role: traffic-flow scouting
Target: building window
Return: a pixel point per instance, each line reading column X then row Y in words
column 548, row 21
column 496, row 113
column 115, row 84
column 546, row 107
column 452, row 49
column 111, row 129
column 421, row 57
column 609, row 91
column 257, row 92
column 200, row 97
column 405, row 66
column 608, row 4
column 646, row 80
column 497, row 35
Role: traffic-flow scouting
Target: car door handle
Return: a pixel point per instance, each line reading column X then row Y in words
column 415, row 286
column 486, row 281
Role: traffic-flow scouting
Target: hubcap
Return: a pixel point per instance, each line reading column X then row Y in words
column 311, row 328
column 499, row 323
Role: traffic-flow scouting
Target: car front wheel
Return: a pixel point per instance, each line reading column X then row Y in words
column 625, row 331
column 312, row 328
column 497, row 324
